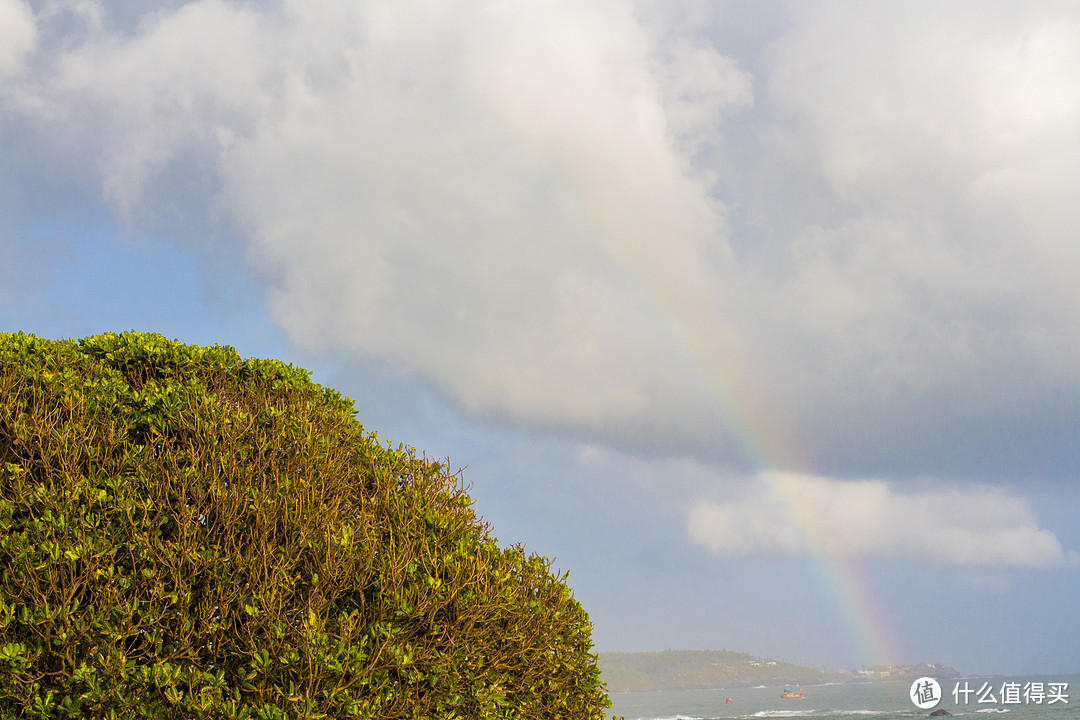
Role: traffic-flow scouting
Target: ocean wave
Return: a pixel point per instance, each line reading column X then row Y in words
column 805, row 713
column 858, row 712
column 995, row 710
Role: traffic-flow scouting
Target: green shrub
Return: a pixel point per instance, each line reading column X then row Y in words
column 184, row 533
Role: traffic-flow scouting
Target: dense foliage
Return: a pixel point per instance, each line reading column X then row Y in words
column 184, row 533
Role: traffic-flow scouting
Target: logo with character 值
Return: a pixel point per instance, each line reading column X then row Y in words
column 925, row 693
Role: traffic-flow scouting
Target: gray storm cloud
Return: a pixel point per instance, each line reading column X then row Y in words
column 571, row 216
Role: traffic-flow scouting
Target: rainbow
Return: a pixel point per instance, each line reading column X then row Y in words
column 841, row 581
column 772, row 445
column 758, row 427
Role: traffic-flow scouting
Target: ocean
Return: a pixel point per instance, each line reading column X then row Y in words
column 878, row 700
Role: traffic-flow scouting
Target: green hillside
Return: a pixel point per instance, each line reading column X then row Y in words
column 690, row 669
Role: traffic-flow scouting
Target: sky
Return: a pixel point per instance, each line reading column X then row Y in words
column 759, row 319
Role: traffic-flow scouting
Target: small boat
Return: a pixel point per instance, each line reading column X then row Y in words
column 790, row 694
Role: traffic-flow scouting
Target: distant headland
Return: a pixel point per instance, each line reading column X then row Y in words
column 693, row 669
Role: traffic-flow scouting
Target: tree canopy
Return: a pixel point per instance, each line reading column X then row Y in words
column 186, row 533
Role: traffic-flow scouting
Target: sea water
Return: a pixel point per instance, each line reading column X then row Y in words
column 879, row 700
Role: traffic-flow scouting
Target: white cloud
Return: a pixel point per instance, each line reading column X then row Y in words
column 788, row 514
column 887, row 93
column 587, row 216
column 494, row 198
column 185, row 86
column 17, row 34
column 903, row 298
column 947, row 135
